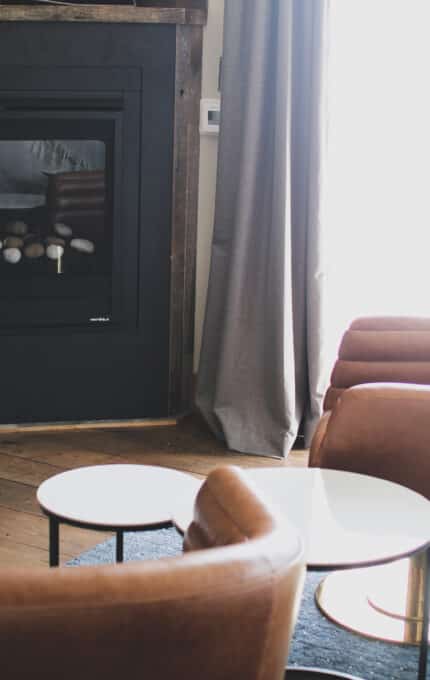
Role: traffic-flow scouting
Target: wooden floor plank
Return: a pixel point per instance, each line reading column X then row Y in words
column 13, row 554
column 32, row 531
column 19, row 497
column 68, row 460
column 30, row 472
column 35, row 445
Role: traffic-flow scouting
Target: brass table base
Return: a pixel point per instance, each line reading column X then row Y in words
column 384, row 603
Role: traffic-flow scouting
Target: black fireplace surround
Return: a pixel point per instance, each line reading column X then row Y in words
column 84, row 332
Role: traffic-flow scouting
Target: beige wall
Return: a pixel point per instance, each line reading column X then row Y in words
column 212, row 50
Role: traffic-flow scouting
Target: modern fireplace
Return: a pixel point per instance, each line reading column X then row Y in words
column 92, row 221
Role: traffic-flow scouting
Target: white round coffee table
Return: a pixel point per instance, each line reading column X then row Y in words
column 347, row 520
column 115, row 498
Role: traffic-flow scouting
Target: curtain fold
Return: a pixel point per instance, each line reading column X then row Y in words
column 259, row 373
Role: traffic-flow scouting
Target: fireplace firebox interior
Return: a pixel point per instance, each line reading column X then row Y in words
column 59, row 162
column 55, row 221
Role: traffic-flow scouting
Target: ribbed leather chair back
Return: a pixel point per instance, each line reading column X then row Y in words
column 381, row 349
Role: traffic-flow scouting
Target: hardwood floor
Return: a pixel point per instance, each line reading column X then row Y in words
column 28, row 458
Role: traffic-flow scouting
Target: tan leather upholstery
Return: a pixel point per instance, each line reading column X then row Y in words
column 381, row 349
column 381, row 430
column 221, row 614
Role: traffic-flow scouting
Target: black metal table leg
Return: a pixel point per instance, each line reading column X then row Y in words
column 422, row 668
column 54, row 532
column 119, row 546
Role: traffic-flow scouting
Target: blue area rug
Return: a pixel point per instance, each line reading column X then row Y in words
column 316, row 642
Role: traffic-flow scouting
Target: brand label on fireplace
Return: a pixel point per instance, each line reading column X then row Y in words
column 99, row 319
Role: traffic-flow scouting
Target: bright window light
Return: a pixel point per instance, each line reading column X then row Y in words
column 377, row 210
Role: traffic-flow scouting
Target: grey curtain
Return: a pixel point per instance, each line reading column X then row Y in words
column 260, row 368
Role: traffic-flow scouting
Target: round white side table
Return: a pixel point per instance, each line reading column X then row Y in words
column 115, row 498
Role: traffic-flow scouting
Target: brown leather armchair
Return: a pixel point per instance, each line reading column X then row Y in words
column 220, row 613
column 379, row 429
column 382, row 430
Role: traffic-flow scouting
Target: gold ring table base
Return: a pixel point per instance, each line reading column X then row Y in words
column 385, row 603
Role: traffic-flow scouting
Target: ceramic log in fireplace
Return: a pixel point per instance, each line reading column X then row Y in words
column 98, row 144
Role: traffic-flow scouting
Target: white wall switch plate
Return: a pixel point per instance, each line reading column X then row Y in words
column 209, row 116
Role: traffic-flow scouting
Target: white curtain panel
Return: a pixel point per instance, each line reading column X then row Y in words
column 260, row 367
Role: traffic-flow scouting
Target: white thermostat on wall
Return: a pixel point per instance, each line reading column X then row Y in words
column 209, row 116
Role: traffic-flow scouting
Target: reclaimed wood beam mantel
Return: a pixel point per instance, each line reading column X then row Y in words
column 104, row 14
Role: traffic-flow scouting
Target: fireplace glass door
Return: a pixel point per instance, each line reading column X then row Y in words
column 58, row 197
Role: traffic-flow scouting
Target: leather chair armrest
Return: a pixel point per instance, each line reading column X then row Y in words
column 381, row 429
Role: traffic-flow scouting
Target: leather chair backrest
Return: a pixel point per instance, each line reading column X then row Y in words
column 382, row 430
column 381, row 349
column 220, row 613
column 226, row 513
